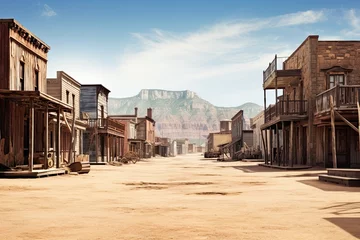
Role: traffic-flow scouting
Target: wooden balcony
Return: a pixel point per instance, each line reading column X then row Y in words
column 345, row 99
column 275, row 77
column 285, row 110
column 107, row 125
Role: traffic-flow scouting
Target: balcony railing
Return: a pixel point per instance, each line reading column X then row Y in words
column 276, row 64
column 107, row 123
column 286, row 107
column 344, row 96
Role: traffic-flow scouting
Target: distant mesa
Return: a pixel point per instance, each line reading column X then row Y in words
column 180, row 114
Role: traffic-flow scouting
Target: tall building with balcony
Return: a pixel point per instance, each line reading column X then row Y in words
column 316, row 85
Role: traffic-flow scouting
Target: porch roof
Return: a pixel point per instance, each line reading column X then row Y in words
column 40, row 99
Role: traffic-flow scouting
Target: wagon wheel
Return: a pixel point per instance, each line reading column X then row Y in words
column 135, row 158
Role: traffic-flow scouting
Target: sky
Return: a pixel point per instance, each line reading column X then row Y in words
column 217, row 49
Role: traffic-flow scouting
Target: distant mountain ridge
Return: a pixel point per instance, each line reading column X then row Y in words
column 180, row 114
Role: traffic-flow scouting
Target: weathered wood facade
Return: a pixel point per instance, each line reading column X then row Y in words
column 145, row 130
column 25, row 108
column 104, row 139
column 301, row 120
column 67, row 89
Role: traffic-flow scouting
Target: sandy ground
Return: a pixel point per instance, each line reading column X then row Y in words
column 186, row 197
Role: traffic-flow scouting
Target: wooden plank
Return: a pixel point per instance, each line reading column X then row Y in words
column 58, row 139
column 346, row 121
column 283, row 143
column 277, row 145
column 71, row 148
column 271, row 147
column 333, row 137
column 46, row 136
column 291, row 141
column 31, row 136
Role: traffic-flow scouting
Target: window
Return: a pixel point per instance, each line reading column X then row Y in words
column 36, row 80
column 336, row 79
column 73, row 99
column 22, row 76
column 67, row 97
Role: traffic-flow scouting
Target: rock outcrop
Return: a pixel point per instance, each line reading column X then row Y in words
column 180, row 114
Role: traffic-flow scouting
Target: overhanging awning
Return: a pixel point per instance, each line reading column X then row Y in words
column 41, row 100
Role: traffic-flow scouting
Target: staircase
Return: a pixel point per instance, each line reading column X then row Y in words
column 347, row 177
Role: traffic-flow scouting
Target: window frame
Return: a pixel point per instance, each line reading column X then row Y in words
column 22, row 75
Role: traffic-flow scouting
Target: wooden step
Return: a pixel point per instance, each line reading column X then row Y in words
column 344, row 172
column 346, row 181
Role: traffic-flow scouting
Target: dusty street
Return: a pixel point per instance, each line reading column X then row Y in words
column 186, row 197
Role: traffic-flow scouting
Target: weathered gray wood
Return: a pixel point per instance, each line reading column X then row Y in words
column 31, row 136
column 271, row 147
column 277, row 144
column 71, row 148
column 333, row 137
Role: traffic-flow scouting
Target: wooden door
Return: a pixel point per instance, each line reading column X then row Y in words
column 342, row 148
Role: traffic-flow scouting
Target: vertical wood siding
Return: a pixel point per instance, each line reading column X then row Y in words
column 88, row 102
column 4, row 56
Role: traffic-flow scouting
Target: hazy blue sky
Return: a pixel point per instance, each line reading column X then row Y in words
column 215, row 48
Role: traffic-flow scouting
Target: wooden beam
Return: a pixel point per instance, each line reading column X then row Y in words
column 46, row 136
column 346, row 121
column 291, row 141
column 31, row 135
column 333, row 137
column 277, row 144
column 58, row 135
column 266, row 147
column 262, row 138
column 283, row 142
column 67, row 123
column 271, row 147
column 72, row 132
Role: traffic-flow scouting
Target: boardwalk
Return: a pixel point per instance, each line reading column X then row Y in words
column 179, row 198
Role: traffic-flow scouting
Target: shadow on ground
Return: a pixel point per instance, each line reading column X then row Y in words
column 344, row 208
column 331, row 187
column 350, row 225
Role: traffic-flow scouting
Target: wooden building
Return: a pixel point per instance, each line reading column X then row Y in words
column 315, row 119
column 104, row 138
column 145, row 131
column 67, row 89
column 162, row 146
column 237, row 128
column 134, row 144
column 25, row 106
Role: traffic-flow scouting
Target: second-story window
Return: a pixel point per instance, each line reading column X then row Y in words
column 22, row 76
column 36, row 87
column 73, row 99
column 336, row 79
column 67, row 97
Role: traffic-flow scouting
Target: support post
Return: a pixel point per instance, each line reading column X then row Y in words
column 46, row 136
column 277, row 144
column 291, row 144
column 31, row 135
column 358, row 108
column 96, row 147
column 333, row 137
column 271, row 147
column 283, row 142
column 58, row 136
column 264, row 147
column 108, row 148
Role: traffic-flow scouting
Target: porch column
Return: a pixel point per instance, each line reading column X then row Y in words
column 271, row 146
column 277, row 144
column 333, row 137
column 58, row 129
column 46, row 136
column 108, row 147
column 264, row 147
column 291, row 143
column 96, row 147
column 283, row 143
column 31, row 135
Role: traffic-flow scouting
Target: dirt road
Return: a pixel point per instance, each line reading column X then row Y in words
column 186, row 197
